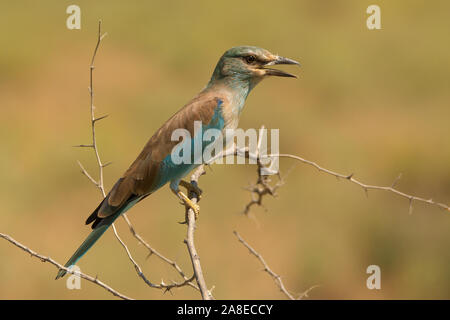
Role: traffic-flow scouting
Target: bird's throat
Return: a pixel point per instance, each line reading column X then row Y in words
column 237, row 89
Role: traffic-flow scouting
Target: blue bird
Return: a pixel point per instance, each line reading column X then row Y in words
column 217, row 106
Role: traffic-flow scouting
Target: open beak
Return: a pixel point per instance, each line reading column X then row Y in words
column 280, row 73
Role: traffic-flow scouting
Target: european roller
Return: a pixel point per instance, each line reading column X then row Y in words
column 217, row 106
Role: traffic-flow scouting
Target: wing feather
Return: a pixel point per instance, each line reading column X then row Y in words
column 140, row 178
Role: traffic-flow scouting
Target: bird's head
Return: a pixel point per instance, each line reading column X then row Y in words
column 252, row 64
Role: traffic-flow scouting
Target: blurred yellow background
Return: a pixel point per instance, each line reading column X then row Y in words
column 372, row 103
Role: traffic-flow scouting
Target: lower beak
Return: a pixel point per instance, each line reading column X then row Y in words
column 280, row 73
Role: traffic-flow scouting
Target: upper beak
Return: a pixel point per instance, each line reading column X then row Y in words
column 280, row 73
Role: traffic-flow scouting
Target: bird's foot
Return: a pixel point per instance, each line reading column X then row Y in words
column 192, row 188
column 189, row 204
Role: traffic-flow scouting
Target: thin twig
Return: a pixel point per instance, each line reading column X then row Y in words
column 100, row 184
column 61, row 267
column 84, row 171
column 306, row 293
column 153, row 251
column 166, row 287
column 364, row 186
column 267, row 269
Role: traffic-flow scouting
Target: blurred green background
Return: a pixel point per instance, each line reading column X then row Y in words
column 372, row 103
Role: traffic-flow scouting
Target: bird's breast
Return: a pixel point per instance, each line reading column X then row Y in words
column 231, row 112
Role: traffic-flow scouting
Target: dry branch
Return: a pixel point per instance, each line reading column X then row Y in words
column 366, row 187
column 189, row 241
column 59, row 266
column 94, row 120
column 244, row 152
column 267, row 269
column 162, row 285
column 153, row 251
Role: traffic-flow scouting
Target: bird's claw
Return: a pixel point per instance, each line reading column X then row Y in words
column 195, row 207
column 189, row 204
column 191, row 188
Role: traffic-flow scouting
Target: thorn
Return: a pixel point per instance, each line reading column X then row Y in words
column 305, row 294
column 349, row 176
column 410, row 205
column 366, row 192
column 168, row 289
column 396, row 180
column 84, row 146
column 100, row 118
column 106, row 164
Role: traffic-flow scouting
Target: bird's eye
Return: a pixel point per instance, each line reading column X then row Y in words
column 250, row 59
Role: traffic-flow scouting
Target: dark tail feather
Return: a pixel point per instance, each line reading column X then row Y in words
column 93, row 215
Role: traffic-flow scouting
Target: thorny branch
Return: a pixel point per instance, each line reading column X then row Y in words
column 244, row 152
column 162, row 285
column 94, row 120
column 59, row 266
column 276, row 277
column 366, row 187
column 153, row 251
column 267, row 269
